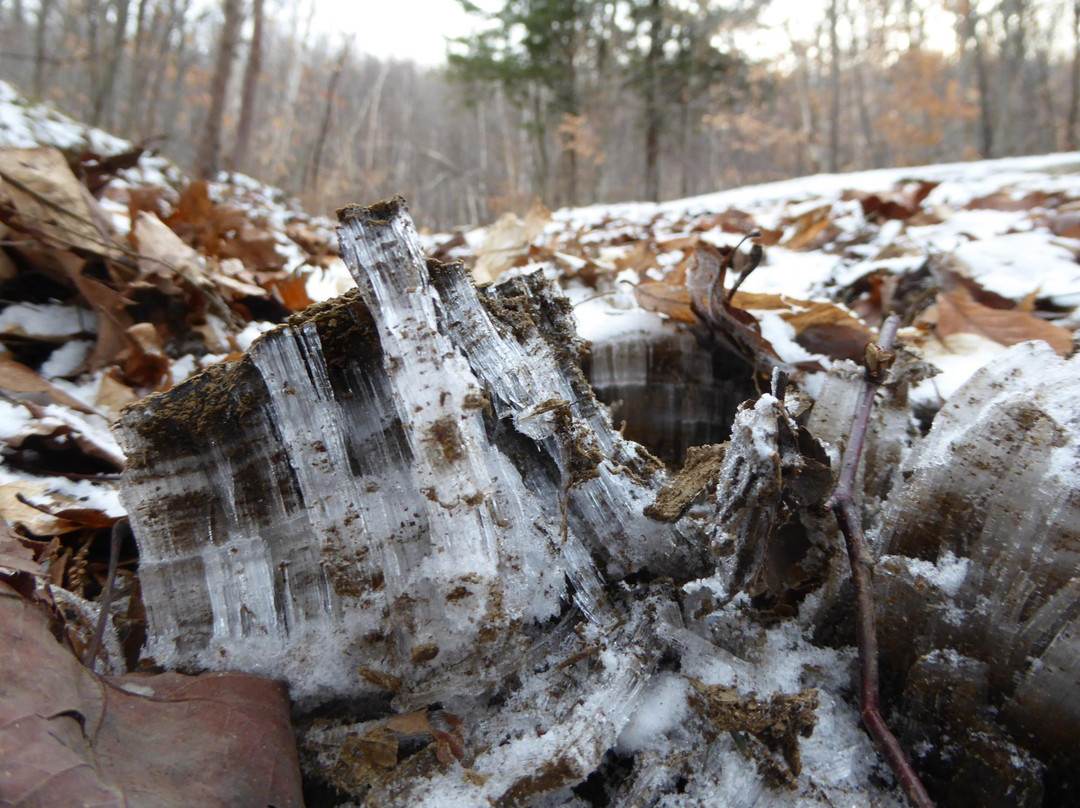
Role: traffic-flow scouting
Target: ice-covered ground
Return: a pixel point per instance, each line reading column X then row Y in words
column 1008, row 227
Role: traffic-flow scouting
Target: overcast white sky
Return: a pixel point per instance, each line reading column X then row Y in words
column 399, row 29
column 417, row 29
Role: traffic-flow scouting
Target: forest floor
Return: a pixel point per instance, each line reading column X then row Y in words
column 122, row 278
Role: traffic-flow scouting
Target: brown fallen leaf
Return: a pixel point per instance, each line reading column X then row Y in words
column 168, row 740
column 666, row 297
column 37, row 521
column 415, row 723
column 290, row 290
column 825, row 328
column 47, row 198
column 16, row 377
column 96, row 171
column 812, row 229
column 641, row 257
column 162, row 252
column 113, row 395
column 901, row 203
column 1007, row 201
column 506, row 240
column 14, row 555
column 113, row 319
column 956, row 312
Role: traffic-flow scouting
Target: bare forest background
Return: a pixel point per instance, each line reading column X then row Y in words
column 572, row 102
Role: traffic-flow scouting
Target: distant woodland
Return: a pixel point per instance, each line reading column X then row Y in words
column 569, row 101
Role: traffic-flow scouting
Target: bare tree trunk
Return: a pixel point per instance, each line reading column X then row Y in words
column 105, row 97
column 982, row 74
column 1010, row 108
column 175, row 25
column 834, row 89
column 652, row 102
column 540, row 156
column 375, row 101
column 331, row 90
column 808, row 152
column 16, row 17
column 282, row 148
column 139, row 71
column 239, row 160
column 41, row 57
column 862, row 101
column 206, row 163
column 684, row 150
column 1072, row 135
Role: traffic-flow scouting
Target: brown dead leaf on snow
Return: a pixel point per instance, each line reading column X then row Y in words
column 828, row 329
column 1007, row 201
column 38, row 186
column 113, row 319
column 1065, row 222
column 956, row 312
column 113, row 395
column 222, row 231
column 507, row 240
column 820, row 327
column 170, row 740
column 289, row 290
column 640, row 257
column 16, row 377
column 903, row 202
column 37, row 521
column 665, row 297
column 813, row 229
column 162, row 252
column 731, row 220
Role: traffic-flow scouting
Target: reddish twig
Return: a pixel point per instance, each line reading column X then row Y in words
column 842, row 503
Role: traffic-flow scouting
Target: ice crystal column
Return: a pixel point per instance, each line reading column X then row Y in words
column 979, row 593
column 390, row 489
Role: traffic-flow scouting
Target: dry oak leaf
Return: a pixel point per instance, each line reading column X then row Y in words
column 956, row 312
column 48, row 200
column 37, row 521
column 507, row 240
column 820, row 327
column 666, row 297
column 901, row 203
column 218, row 740
column 290, row 290
column 813, row 229
column 18, row 378
column 14, row 555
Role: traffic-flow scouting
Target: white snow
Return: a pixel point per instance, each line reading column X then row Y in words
column 13, row 419
column 67, row 360
column 46, row 321
column 324, row 284
column 1018, row 264
column 947, row 574
column 958, row 356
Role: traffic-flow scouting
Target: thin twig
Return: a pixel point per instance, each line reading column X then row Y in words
column 842, row 503
column 115, row 540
